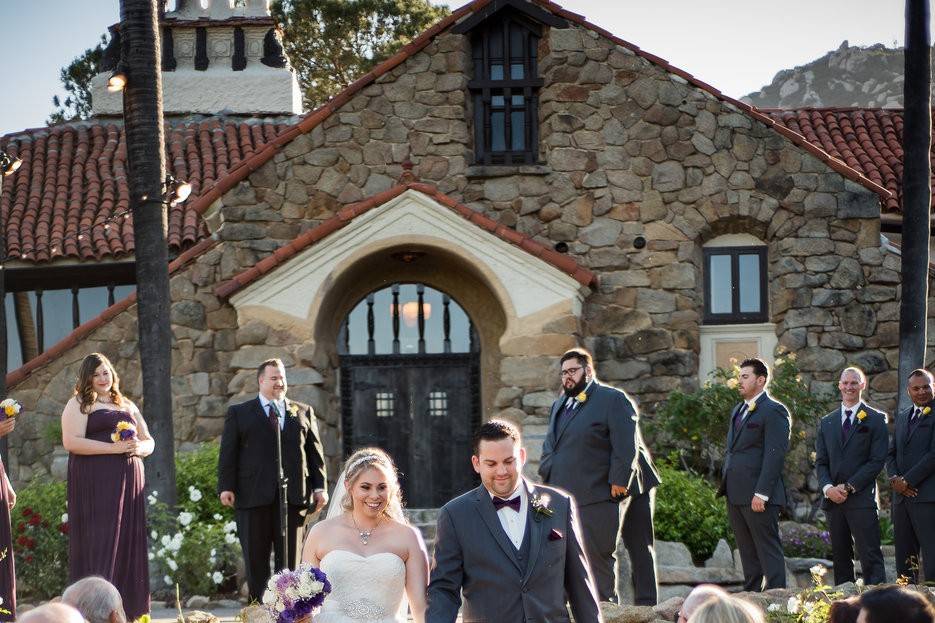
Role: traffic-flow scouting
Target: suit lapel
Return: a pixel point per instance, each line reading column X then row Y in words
column 731, row 436
column 748, row 415
column 553, row 415
column 576, row 414
column 535, row 531
column 489, row 514
column 264, row 416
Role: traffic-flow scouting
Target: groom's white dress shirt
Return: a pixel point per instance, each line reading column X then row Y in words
column 280, row 407
column 514, row 524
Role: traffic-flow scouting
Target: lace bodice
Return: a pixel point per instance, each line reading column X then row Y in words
column 364, row 589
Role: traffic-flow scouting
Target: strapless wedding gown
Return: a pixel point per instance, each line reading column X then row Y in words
column 363, row 588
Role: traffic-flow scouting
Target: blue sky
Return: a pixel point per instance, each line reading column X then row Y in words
column 734, row 45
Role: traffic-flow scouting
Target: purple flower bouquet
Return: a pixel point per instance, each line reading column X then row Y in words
column 293, row 596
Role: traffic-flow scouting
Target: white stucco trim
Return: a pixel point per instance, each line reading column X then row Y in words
column 764, row 334
column 735, row 240
column 524, row 284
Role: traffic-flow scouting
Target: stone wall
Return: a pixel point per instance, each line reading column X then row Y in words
column 627, row 150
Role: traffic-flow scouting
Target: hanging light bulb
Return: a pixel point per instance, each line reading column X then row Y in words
column 9, row 164
column 118, row 79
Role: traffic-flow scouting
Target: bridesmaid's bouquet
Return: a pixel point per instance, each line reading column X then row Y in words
column 9, row 408
column 293, row 596
column 124, row 431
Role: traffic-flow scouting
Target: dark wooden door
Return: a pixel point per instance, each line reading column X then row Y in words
column 422, row 409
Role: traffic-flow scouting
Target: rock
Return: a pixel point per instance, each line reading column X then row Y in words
column 672, row 554
column 254, row 614
column 188, row 314
column 601, row 233
column 197, row 601
column 668, row 608
column 253, row 356
column 859, row 320
column 722, row 556
column 198, row 616
column 615, row 613
column 848, row 275
column 229, row 603
column 668, row 176
column 649, row 340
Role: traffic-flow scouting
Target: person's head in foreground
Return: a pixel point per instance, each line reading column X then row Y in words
column 498, row 456
column 96, row 599
column 699, row 595
column 894, row 603
column 844, row 610
column 728, row 610
column 52, row 613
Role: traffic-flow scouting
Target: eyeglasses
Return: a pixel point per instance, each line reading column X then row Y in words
column 570, row 371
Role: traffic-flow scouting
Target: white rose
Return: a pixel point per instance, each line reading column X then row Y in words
column 165, row 540
column 167, row 580
column 172, row 564
column 792, row 606
column 154, row 534
column 269, row 598
column 230, row 526
column 218, row 517
column 185, row 518
column 217, row 577
column 64, row 517
column 194, row 494
column 316, row 587
column 214, row 552
column 152, row 556
column 229, row 537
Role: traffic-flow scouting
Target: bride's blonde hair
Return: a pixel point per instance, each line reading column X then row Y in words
column 364, row 459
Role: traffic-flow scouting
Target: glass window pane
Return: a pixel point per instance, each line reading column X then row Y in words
column 496, row 43
column 517, row 100
column 496, row 72
column 56, row 316
column 518, row 130
column 122, row 292
column 382, row 321
column 497, row 100
column 516, row 41
column 749, row 283
column 719, row 274
column 497, row 131
column 357, row 330
column 517, row 71
column 460, row 329
column 434, row 329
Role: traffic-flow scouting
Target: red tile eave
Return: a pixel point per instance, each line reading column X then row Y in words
column 14, row 377
column 345, row 215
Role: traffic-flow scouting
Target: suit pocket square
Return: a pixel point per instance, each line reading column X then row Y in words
column 555, row 535
column 753, row 425
column 863, row 430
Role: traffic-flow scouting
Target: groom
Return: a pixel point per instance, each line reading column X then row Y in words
column 523, row 559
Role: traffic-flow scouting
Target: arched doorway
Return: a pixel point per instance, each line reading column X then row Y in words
column 410, row 384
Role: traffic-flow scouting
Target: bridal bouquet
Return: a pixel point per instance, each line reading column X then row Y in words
column 123, row 431
column 9, row 408
column 293, row 596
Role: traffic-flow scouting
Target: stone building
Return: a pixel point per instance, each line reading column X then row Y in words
column 422, row 248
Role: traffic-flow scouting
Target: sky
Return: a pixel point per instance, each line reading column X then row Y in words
column 735, row 45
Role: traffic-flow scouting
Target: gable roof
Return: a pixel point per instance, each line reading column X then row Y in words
column 867, row 140
column 345, row 215
column 75, row 174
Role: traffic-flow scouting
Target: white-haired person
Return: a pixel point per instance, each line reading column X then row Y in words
column 52, row 613
column 96, row 599
column 374, row 560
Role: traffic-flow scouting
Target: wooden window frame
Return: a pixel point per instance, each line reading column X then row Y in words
column 735, row 316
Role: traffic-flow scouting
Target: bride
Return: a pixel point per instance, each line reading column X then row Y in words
column 373, row 558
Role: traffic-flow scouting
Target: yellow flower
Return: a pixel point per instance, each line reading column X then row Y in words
column 294, row 409
column 581, row 397
column 861, row 415
column 926, row 410
column 751, row 408
column 9, row 410
column 122, row 426
column 802, row 434
column 10, row 407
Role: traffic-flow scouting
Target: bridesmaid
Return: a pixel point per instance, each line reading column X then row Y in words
column 7, row 502
column 106, row 503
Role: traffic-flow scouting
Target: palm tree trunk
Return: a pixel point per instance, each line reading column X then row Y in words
column 917, row 192
column 29, row 345
column 142, row 112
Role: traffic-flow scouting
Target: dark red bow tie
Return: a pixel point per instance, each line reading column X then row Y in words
column 499, row 503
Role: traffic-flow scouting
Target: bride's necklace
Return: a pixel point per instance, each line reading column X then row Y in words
column 365, row 534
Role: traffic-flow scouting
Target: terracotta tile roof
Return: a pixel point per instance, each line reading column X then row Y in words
column 868, row 140
column 345, row 215
column 75, row 174
column 14, row 377
column 316, row 117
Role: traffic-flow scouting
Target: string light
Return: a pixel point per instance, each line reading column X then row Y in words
column 9, row 164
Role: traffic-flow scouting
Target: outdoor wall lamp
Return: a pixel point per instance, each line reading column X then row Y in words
column 118, row 79
column 8, row 163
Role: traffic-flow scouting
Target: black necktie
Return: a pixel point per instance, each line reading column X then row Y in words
column 499, row 503
column 738, row 417
column 567, row 411
column 273, row 416
column 915, row 419
column 846, row 425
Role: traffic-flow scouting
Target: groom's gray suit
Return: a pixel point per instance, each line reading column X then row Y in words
column 475, row 557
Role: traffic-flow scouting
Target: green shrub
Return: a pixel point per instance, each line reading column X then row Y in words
column 40, row 541
column 696, row 423
column 689, row 511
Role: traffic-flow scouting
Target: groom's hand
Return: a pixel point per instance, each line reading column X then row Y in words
column 320, row 497
column 227, row 498
column 618, row 492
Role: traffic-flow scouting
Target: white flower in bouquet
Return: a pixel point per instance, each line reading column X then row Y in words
column 269, row 597
column 185, row 518
column 316, row 587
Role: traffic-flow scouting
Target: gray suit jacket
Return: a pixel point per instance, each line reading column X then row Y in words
column 912, row 456
column 856, row 459
column 754, row 458
column 475, row 558
column 599, row 446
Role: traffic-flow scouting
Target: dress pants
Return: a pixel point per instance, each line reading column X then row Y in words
column 603, row 524
column 258, row 530
column 914, row 534
column 860, row 527
column 760, row 548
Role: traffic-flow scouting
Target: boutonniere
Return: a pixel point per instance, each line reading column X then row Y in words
column 293, row 409
column 861, row 415
column 581, row 398
column 540, row 506
column 751, row 408
column 926, row 411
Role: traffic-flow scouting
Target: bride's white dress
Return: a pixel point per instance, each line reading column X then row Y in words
column 363, row 588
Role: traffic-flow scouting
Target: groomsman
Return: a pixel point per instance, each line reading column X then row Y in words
column 751, row 478
column 595, row 451
column 911, row 468
column 248, row 477
column 850, row 452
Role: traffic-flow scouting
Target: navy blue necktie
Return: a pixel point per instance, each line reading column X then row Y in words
column 499, row 503
column 738, row 417
column 846, row 425
column 565, row 414
column 915, row 419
